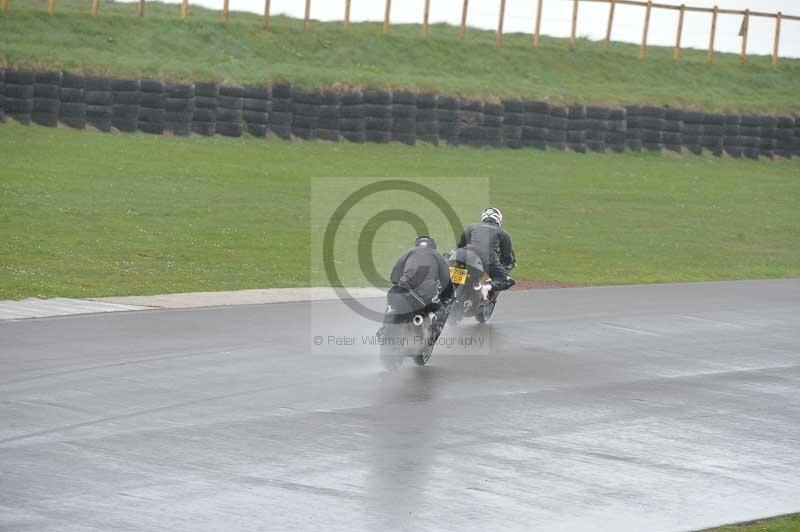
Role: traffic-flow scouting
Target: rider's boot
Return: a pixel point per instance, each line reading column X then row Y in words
column 486, row 290
column 498, row 286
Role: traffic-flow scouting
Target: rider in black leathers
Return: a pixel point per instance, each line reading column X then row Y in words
column 421, row 279
column 493, row 246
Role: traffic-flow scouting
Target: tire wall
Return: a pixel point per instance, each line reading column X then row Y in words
column 230, row 111
column 256, row 105
column 152, row 107
column 285, row 111
column 281, row 119
column 99, row 102
column 18, row 95
column 126, row 97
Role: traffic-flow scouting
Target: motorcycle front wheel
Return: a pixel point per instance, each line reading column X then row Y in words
column 423, row 358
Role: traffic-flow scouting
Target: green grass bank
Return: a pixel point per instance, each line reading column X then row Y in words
column 90, row 214
column 785, row 523
column 118, row 42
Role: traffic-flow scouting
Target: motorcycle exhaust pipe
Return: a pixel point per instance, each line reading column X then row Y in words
column 418, row 319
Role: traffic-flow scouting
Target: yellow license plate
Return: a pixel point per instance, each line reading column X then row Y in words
column 458, row 275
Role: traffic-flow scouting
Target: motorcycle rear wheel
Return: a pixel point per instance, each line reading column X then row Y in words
column 391, row 356
column 485, row 312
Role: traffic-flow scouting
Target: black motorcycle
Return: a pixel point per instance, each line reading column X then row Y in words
column 408, row 331
column 471, row 286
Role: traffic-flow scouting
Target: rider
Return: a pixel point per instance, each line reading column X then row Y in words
column 493, row 246
column 423, row 273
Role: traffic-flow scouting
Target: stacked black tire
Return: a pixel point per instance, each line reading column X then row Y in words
column 633, row 131
column 576, row 128
column 19, row 89
column 597, row 128
column 692, row 129
column 305, row 120
column 750, row 135
column 492, row 125
column 179, row 107
column 651, row 125
column 99, row 103
column 784, row 136
column 378, row 116
column 470, row 118
column 447, row 118
column 557, row 127
column 672, row 135
column 713, row 133
column 255, row 107
column 46, row 98
column 427, row 123
column 513, row 122
column 204, row 116
column 152, row 108
column 731, row 143
column 769, row 138
column 328, row 124
column 127, row 97
column 351, row 117
column 617, row 128
column 280, row 117
column 404, row 117
column 796, row 149
column 536, row 121
column 72, row 93
column 230, row 107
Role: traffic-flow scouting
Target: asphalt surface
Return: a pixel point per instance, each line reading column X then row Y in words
column 649, row 408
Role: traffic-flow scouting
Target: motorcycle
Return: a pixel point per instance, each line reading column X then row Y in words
column 408, row 331
column 471, row 287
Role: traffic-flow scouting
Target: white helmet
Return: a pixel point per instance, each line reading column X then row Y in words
column 492, row 214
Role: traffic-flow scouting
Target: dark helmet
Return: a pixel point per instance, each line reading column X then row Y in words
column 492, row 215
column 425, row 241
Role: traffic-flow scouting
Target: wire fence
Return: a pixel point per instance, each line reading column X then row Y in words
column 647, row 7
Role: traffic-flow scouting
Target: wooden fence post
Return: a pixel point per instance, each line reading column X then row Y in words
column 266, row 15
column 610, row 23
column 463, row 21
column 500, row 23
column 425, row 17
column 141, row 8
column 643, row 48
column 777, row 40
column 710, row 55
column 538, row 24
column 95, row 7
column 225, row 10
column 572, row 42
column 185, row 10
column 308, row 15
column 387, row 17
column 676, row 55
column 346, row 15
column 51, row 7
column 4, row 7
column 745, row 28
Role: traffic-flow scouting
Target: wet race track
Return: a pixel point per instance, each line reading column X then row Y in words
column 649, row 408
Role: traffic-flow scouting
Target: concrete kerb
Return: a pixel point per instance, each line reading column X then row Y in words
column 240, row 297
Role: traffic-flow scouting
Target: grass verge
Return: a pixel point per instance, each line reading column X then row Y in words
column 784, row 523
column 119, row 42
column 90, row 214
